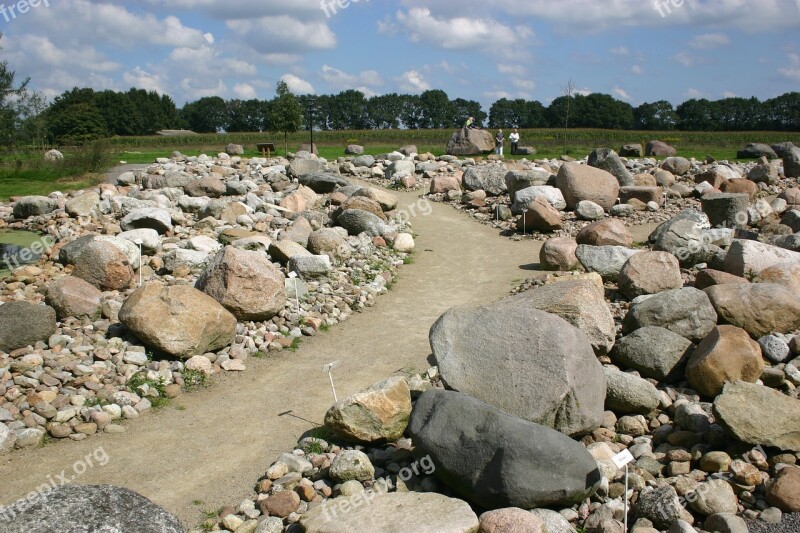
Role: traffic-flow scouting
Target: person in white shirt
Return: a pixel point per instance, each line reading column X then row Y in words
column 514, row 138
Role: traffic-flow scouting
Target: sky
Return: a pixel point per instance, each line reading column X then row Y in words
column 637, row 51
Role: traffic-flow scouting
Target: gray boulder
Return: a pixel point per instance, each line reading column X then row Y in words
column 489, row 178
column 523, row 198
column 322, row 183
column 582, row 304
column 354, row 149
column 149, row 217
column 530, row 363
column 687, row 312
column 393, row 512
column 631, row 150
column 469, row 141
column 629, row 394
column 658, row 148
column 756, row 150
column 310, row 266
column 605, row 260
column 756, row 414
column 97, row 508
column 653, row 351
column 84, row 205
column 608, row 160
column 497, row 460
column 365, row 161
column 301, row 166
column 33, row 206
column 686, row 237
column 727, row 210
column 791, row 163
column 516, row 180
column 25, row 323
column 357, row 221
column 209, row 186
column 676, row 165
column 783, row 148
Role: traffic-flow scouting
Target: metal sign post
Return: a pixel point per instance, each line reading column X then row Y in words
column 329, row 369
column 138, row 242
column 622, row 459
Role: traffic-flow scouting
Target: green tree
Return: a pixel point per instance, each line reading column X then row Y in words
column 383, row 112
column 206, row 115
column 436, row 109
column 10, row 97
column 782, row 113
column 286, row 115
column 348, row 111
column 658, row 115
column 411, row 114
column 697, row 115
column 74, row 118
column 463, row 109
column 247, row 115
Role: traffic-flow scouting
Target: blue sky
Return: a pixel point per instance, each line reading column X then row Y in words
column 637, row 51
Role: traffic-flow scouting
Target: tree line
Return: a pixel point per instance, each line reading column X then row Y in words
column 83, row 114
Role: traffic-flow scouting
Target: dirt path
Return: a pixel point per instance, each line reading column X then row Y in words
column 212, row 445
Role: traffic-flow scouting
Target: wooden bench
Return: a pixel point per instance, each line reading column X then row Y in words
column 265, row 148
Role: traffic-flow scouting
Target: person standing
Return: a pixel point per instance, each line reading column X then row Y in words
column 514, row 138
column 498, row 142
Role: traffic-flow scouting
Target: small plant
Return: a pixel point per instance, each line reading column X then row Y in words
column 408, row 260
column 198, row 503
column 193, row 379
column 295, row 344
column 260, row 355
column 325, row 327
column 140, row 384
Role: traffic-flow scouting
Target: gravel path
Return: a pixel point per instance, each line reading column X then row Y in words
column 790, row 524
column 208, row 448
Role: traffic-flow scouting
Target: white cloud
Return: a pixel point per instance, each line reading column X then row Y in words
column 342, row 80
column 622, row 93
column 516, row 70
column 245, row 91
column 728, row 94
column 412, row 81
column 792, row 70
column 709, row 40
column 583, row 92
column 694, row 93
column 144, row 80
column 523, row 84
column 620, row 51
column 459, row 33
column 636, row 69
column 497, row 95
column 245, row 9
column 684, row 59
column 298, row 85
column 283, row 34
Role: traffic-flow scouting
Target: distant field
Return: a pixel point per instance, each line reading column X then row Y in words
column 23, row 173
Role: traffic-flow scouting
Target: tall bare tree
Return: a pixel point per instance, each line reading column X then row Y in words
column 569, row 90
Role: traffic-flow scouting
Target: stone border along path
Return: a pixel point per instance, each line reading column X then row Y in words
column 220, row 441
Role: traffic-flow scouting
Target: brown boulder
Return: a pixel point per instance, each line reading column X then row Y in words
column 579, row 182
column 73, row 297
column 784, row 493
column 607, row 232
column 103, row 265
column 649, row 273
column 442, row 184
column 541, row 216
column 510, row 520
column 710, row 277
column 739, row 185
column 727, row 354
column 758, row 308
column 559, row 254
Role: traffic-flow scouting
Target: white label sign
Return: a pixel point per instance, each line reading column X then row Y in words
column 623, row 458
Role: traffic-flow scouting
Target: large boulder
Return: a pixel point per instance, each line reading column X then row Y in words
column 33, row 206
column 676, row 165
column 303, row 166
column 582, row 304
column 605, row 260
column 727, row 354
column 246, row 283
column 782, row 148
column 687, row 312
column 74, row 297
column 629, row 394
column 607, row 232
column 759, row 415
column 581, row 182
column 523, row 197
column 357, row 221
column 104, row 265
column 684, row 236
column 727, row 210
column 392, row 512
column 791, row 163
column 756, row 150
column 147, row 217
column 758, row 308
column 511, row 462
column 328, row 241
column 489, row 178
column 746, row 258
column 530, row 363
column 379, row 413
column 322, row 183
column 653, row 351
column 784, row 492
column 649, row 273
column 180, row 320
column 608, row 160
column 540, row 216
column 209, row 186
column 659, row 149
column 91, row 508
column 25, row 323
column 558, row 253
column 516, row 180
column 385, row 199
column 470, row 141
column 84, row 205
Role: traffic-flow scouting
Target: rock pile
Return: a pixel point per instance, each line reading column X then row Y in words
column 176, row 273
